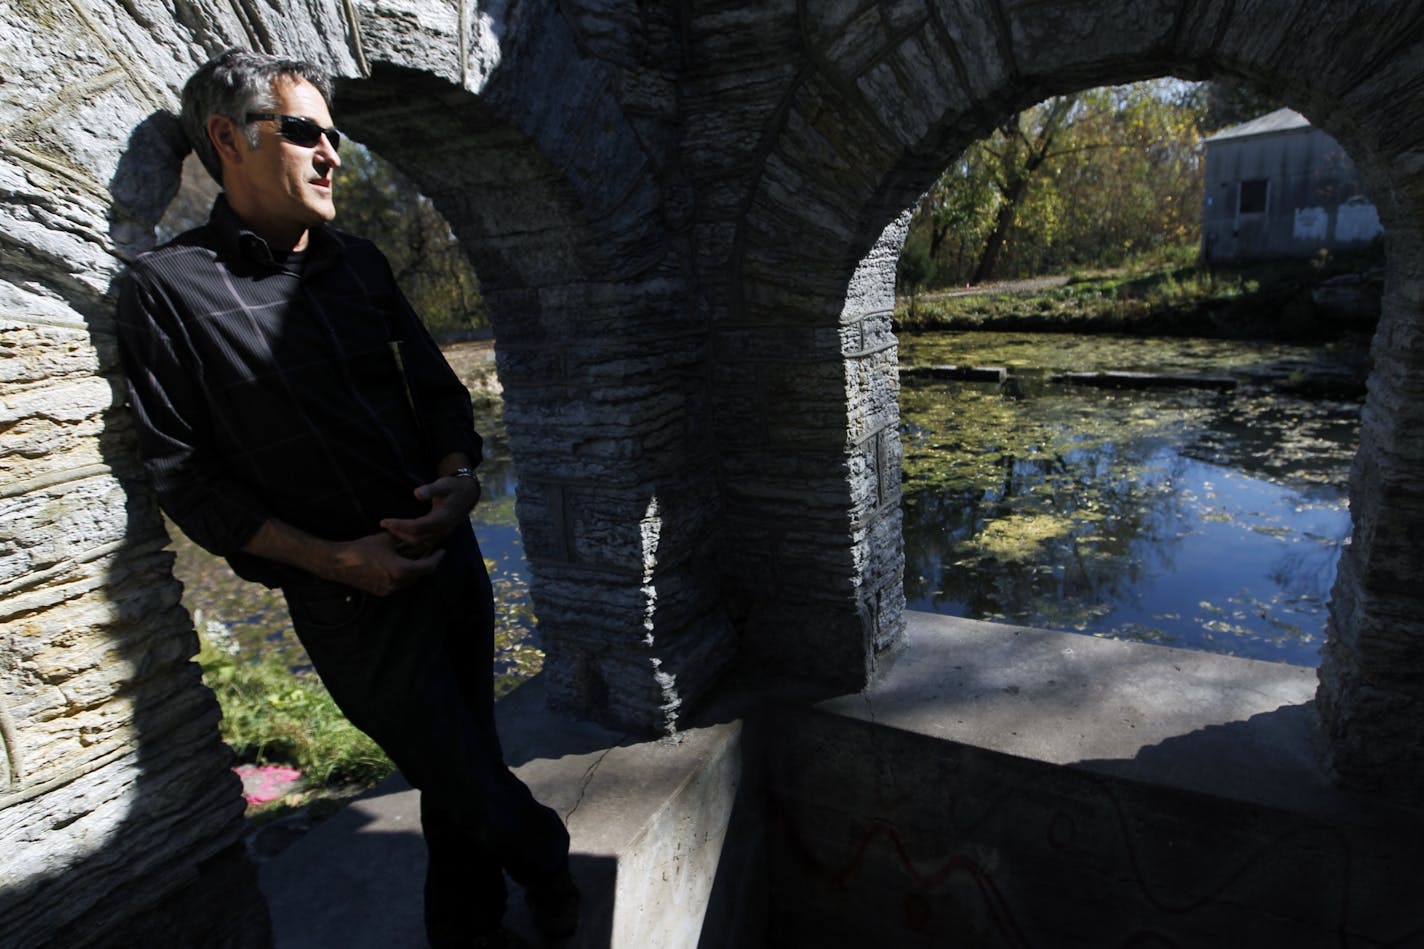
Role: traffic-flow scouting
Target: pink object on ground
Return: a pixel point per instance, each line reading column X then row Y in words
column 264, row 783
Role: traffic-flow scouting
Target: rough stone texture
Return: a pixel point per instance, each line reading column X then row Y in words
column 686, row 217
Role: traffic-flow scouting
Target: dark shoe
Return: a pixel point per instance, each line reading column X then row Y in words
column 554, row 906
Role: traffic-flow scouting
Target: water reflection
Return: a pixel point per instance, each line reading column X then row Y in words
column 1193, row 518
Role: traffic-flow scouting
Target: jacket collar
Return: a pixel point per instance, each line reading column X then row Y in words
column 237, row 242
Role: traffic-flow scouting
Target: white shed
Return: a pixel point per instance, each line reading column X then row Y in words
column 1279, row 187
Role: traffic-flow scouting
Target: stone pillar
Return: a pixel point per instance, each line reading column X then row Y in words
column 618, row 498
column 556, row 172
column 1371, row 695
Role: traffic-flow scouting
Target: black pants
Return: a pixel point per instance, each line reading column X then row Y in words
column 415, row 672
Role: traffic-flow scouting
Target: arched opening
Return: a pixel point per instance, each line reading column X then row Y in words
column 859, row 140
column 616, row 496
column 1110, row 432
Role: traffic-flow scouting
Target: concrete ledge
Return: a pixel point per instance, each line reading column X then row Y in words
column 1237, row 727
column 1009, row 786
column 649, row 823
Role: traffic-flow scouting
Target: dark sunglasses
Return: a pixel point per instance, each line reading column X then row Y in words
column 297, row 130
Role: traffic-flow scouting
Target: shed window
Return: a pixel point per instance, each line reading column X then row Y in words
column 1253, row 196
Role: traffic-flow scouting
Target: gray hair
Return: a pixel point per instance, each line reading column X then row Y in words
column 233, row 84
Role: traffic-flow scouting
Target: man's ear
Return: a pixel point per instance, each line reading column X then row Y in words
column 227, row 138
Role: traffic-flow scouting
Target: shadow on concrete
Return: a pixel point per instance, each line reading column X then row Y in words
column 955, row 796
column 356, row 880
column 739, row 905
column 1272, row 758
column 525, row 734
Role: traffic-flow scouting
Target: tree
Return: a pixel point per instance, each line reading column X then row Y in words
column 1019, row 148
column 379, row 203
column 955, row 215
column 1087, row 179
column 913, row 271
column 1129, row 174
column 1227, row 102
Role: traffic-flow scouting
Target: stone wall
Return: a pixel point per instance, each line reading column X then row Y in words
column 686, row 216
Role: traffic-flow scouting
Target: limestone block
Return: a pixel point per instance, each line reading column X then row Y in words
column 867, row 333
column 806, row 404
column 630, row 531
column 614, row 686
column 734, row 33
column 872, row 286
column 53, row 525
column 609, row 614
column 802, row 487
column 424, row 34
column 77, row 673
column 915, row 89
column 872, row 386
column 1056, row 40
column 971, row 36
column 856, row 42
column 777, row 636
column 117, row 828
column 885, row 549
column 735, row 346
column 1319, row 45
column 726, row 114
column 530, row 365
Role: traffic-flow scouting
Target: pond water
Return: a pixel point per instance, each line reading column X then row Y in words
column 1185, row 516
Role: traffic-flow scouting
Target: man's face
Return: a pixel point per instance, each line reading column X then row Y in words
column 290, row 184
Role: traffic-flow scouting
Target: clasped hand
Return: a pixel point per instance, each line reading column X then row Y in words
column 408, row 548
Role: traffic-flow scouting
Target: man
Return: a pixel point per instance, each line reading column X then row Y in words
column 296, row 418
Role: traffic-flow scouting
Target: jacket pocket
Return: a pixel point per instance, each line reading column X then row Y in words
column 325, row 607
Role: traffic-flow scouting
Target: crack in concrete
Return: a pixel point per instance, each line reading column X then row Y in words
column 585, row 781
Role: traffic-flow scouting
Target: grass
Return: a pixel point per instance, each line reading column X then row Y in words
column 1166, row 294
column 273, row 715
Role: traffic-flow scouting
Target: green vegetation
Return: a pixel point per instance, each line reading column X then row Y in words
column 273, row 715
column 1082, row 180
column 1086, row 180
column 1153, row 295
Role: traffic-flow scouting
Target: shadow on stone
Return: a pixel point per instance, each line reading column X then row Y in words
column 138, row 830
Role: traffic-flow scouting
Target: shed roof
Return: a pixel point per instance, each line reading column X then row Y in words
column 1281, row 120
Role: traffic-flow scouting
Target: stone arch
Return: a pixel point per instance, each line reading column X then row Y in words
column 883, row 96
column 114, row 792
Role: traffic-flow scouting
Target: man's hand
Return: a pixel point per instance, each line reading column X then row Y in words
column 451, row 500
column 375, row 564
